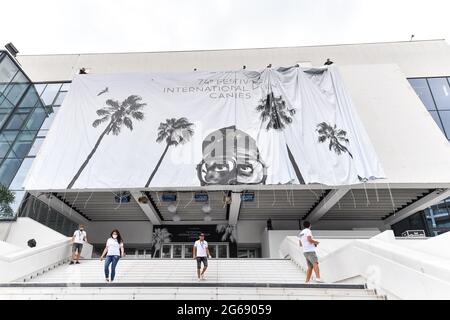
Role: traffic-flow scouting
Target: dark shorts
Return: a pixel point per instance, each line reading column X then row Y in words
column 77, row 247
column 311, row 258
column 200, row 260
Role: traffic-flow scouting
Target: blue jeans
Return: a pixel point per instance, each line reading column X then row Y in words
column 108, row 261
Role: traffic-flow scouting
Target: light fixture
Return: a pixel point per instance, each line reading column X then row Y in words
column 143, row 199
column 206, row 208
column 328, row 62
column 172, row 208
column 176, row 217
column 207, row 218
column 11, row 49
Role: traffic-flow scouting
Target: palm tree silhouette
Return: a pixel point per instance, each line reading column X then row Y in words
column 174, row 132
column 273, row 109
column 160, row 236
column 116, row 114
column 229, row 232
column 335, row 137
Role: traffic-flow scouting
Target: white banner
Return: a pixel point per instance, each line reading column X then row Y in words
column 137, row 130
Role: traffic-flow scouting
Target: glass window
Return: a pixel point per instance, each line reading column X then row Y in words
column 5, row 104
column 188, row 251
column 441, row 92
column 7, row 72
column 8, row 170
column 423, row 91
column 15, row 92
column 166, row 251
column 445, row 116
column 16, row 121
column 60, row 98
column 37, row 118
column 436, row 118
column 39, row 88
column 49, row 120
column 212, row 250
column 18, row 180
column 65, row 86
column 49, row 94
column 3, row 117
column 20, row 149
column 30, row 99
column 223, row 251
column 177, row 250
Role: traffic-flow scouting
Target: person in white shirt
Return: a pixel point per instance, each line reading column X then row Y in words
column 78, row 239
column 309, row 245
column 200, row 253
column 113, row 251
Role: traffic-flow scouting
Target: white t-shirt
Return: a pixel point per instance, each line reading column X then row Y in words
column 113, row 247
column 303, row 237
column 201, row 248
column 79, row 236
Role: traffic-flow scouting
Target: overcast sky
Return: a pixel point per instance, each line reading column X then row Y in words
column 83, row 26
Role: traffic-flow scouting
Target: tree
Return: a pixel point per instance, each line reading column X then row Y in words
column 7, row 198
column 335, row 137
column 273, row 110
column 160, row 236
column 116, row 115
column 174, row 132
column 229, row 232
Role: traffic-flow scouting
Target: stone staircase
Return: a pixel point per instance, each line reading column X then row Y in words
column 246, row 279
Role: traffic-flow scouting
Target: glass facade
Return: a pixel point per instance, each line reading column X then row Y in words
column 26, row 112
column 435, row 95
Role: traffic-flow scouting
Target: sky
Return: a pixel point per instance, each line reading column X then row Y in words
column 95, row 26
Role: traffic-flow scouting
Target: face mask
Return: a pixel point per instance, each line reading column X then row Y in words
column 114, row 236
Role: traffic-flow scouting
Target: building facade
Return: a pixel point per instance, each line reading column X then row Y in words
column 32, row 92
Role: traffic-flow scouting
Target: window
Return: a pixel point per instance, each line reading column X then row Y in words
column 8, row 170
column 437, row 100
column 18, row 180
column 441, row 92
column 16, row 121
column 50, row 92
column 445, row 117
column 7, row 72
column 423, row 91
column 37, row 118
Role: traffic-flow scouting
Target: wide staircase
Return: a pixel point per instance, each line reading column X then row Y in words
column 176, row 279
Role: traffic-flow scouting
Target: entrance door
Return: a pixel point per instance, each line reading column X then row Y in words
column 184, row 250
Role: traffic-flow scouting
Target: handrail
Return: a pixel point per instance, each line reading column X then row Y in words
column 397, row 270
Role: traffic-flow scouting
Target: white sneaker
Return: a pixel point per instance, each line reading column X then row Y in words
column 319, row 280
column 203, row 277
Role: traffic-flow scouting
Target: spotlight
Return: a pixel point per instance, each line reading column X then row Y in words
column 206, row 208
column 172, row 208
column 244, row 67
column 143, row 199
column 207, row 218
column 11, row 49
column 269, row 66
column 83, row 71
column 176, row 217
column 328, row 62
